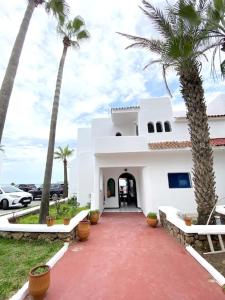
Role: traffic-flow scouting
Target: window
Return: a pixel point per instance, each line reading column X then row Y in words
column 118, row 134
column 179, row 180
column 151, row 127
column 159, row 127
column 167, row 126
column 111, row 188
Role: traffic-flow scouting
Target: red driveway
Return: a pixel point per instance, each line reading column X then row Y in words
column 126, row 259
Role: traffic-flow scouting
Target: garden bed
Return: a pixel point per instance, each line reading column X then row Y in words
column 17, row 258
column 58, row 212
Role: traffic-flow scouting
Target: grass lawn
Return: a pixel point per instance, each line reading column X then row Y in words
column 17, row 258
column 66, row 209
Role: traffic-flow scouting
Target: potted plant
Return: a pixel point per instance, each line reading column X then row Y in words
column 94, row 216
column 66, row 216
column 83, row 230
column 187, row 220
column 66, row 220
column 50, row 221
column 152, row 219
column 39, row 281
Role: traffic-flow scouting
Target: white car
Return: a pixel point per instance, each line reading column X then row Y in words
column 12, row 196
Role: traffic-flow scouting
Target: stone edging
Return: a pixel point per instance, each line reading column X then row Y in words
column 195, row 235
column 23, row 292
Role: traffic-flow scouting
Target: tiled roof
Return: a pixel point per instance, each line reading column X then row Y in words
column 125, row 108
column 209, row 116
column 183, row 144
column 216, row 116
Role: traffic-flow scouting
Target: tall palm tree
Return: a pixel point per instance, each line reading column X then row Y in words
column 63, row 154
column 59, row 9
column 181, row 47
column 73, row 32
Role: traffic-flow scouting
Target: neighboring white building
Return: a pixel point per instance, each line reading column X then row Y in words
column 141, row 155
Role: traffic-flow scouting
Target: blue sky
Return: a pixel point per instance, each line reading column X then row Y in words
column 99, row 76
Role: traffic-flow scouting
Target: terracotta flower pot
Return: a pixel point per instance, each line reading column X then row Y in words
column 50, row 221
column 94, row 217
column 152, row 222
column 83, row 230
column 66, row 221
column 39, row 283
column 188, row 221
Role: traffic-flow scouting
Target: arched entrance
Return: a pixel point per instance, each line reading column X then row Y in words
column 127, row 190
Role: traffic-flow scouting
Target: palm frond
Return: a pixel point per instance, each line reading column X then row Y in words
column 164, row 67
column 82, row 35
column 158, row 18
column 156, row 61
column 75, row 25
column 153, row 45
column 59, row 8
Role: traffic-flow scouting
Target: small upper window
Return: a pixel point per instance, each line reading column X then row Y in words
column 167, row 126
column 118, row 134
column 179, row 180
column 159, row 127
column 151, row 127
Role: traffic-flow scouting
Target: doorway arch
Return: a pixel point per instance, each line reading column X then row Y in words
column 127, row 190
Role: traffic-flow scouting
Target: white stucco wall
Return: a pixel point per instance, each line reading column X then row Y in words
column 156, row 187
column 85, row 178
column 72, row 177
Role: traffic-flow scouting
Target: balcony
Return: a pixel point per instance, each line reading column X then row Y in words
column 120, row 144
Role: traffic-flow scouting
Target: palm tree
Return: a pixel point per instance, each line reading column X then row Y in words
column 73, row 32
column 59, row 9
column 63, row 154
column 181, row 48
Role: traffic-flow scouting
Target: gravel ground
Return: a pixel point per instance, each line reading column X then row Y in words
column 217, row 261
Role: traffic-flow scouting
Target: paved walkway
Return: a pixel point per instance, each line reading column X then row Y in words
column 124, row 259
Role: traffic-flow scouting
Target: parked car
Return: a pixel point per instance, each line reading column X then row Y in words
column 26, row 187
column 56, row 191
column 12, row 196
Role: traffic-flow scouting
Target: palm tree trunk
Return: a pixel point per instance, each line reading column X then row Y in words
column 202, row 154
column 10, row 74
column 44, row 209
column 65, row 189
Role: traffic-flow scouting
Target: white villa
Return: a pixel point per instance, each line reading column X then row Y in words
column 140, row 157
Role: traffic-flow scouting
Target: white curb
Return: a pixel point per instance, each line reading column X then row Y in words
column 23, row 292
column 215, row 274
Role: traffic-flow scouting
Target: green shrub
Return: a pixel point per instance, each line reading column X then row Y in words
column 152, row 215
column 73, row 201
